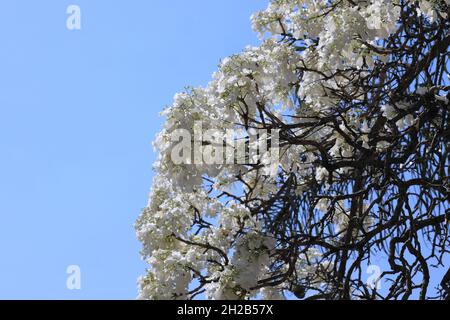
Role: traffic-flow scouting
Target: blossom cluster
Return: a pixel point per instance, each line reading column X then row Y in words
column 195, row 230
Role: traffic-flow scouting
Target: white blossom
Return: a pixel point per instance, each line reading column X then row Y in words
column 267, row 75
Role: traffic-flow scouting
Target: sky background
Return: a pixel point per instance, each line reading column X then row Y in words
column 78, row 112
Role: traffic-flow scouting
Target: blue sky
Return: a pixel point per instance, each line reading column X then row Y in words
column 78, row 112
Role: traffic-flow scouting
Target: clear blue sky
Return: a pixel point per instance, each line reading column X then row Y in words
column 78, row 112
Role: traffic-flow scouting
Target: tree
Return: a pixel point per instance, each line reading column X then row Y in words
column 353, row 99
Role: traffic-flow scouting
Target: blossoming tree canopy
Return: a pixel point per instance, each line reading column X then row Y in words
column 357, row 92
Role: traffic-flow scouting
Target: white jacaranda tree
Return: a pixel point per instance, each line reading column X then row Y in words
column 351, row 96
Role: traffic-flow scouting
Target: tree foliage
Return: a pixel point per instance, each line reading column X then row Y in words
column 359, row 94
